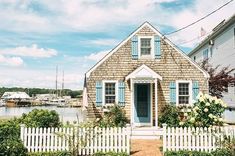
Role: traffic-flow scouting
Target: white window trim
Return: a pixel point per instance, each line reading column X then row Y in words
column 190, row 91
column 152, row 47
column 103, row 90
column 208, row 56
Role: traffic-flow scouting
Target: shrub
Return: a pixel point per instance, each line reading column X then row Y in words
column 170, row 116
column 9, row 129
column 41, row 118
column 116, row 117
column 12, row 148
column 217, row 152
column 57, row 153
column 186, row 153
column 207, row 111
column 110, row 154
column 221, row 152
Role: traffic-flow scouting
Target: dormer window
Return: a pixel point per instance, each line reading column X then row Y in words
column 146, row 46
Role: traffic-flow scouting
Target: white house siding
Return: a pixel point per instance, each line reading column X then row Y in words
column 223, row 53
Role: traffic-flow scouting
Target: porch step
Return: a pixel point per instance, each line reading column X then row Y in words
column 146, row 133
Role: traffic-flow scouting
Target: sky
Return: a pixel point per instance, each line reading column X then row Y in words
column 38, row 35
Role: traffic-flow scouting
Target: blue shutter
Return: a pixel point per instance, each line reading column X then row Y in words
column 98, row 93
column 134, row 47
column 195, row 90
column 157, row 47
column 121, row 93
column 172, row 93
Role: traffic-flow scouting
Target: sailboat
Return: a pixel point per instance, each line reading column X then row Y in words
column 58, row 100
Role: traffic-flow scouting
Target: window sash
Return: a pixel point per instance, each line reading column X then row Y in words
column 183, row 93
column 110, row 92
column 145, row 46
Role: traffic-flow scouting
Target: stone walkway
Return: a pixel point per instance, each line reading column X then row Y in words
column 146, row 147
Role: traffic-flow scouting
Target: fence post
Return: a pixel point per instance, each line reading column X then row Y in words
column 129, row 131
column 22, row 129
column 164, row 137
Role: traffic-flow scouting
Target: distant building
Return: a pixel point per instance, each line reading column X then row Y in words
column 15, row 95
column 219, row 49
column 45, row 97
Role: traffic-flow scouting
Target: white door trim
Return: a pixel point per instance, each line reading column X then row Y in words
column 133, row 123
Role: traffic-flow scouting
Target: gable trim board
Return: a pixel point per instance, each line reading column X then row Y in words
column 206, row 75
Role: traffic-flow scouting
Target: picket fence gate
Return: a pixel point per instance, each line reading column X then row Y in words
column 199, row 139
column 88, row 140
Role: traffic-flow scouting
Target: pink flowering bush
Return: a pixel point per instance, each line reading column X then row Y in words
column 206, row 112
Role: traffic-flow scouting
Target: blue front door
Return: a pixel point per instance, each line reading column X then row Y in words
column 142, row 103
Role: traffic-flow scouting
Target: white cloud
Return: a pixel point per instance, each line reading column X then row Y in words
column 189, row 15
column 31, row 51
column 11, row 61
column 97, row 56
column 101, row 42
column 39, row 78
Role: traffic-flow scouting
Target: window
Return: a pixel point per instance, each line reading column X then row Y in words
column 194, row 58
column 211, row 51
column 110, row 93
column 234, row 36
column 183, row 93
column 145, row 46
column 205, row 54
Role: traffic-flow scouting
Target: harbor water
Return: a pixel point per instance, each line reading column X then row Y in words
column 66, row 114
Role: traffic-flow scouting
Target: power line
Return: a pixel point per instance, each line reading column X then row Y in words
column 198, row 19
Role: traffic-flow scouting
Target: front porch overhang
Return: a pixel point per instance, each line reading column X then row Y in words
column 143, row 73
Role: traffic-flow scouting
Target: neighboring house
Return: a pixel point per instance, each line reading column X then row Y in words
column 143, row 74
column 219, row 49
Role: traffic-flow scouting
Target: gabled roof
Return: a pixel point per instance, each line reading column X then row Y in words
column 159, row 34
column 217, row 31
column 143, row 72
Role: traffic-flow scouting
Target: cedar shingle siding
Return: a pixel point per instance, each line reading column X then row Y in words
column 171, row 66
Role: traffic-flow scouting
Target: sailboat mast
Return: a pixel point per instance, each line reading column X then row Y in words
column 62, row 87
column 56, row 87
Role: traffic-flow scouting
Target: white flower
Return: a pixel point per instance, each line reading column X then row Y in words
column 181, row 123
column 196, row 108
column 192, row 120
column 217, row 101
column 214, row 98
column 206, row 110
column 207, row 96
column 211, row 116
column 210, row 99
column 207, row 104
column 185, row 114
column 220, row 119
column 199, row 95
column 201, row 99
column 215, row 119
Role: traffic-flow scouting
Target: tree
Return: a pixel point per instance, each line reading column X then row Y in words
column 220, row 78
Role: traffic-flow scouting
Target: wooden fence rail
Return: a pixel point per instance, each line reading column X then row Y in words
column 86, row 140
column 199, row 139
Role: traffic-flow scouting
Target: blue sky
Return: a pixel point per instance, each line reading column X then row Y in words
column 35, row 36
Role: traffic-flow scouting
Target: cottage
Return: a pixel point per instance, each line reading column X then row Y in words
column 142, row 74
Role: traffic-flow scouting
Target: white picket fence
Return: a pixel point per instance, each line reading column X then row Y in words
column 199, row 139
column 88, row 140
